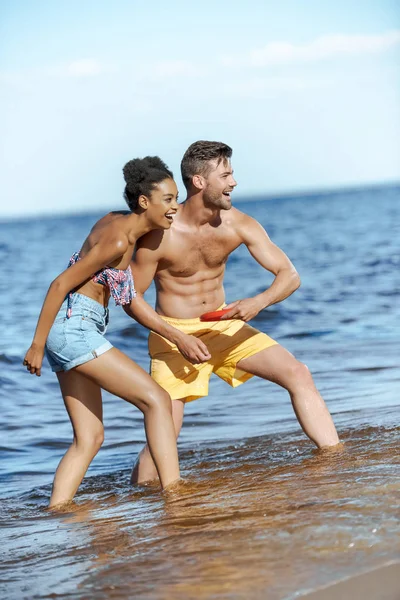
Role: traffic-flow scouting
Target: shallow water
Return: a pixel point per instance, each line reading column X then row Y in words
column 263, row 514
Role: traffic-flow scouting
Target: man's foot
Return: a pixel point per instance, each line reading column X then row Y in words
column 144, row 471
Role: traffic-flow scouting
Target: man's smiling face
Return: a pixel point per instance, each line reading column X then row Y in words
column 219, row 185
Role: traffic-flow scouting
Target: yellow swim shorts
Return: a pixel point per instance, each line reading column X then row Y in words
column 227, row 341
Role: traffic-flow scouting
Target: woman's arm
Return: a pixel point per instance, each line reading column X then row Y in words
column 191, row 347
column 144, row 267
column 98, row 257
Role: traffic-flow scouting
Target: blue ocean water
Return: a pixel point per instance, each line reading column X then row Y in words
column 253, row 471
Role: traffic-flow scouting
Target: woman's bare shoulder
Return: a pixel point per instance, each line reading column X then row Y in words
column 110, row 218
column 107, row 229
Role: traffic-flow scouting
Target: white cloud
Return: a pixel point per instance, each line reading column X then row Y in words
column 269, row 87
column 85, row 67
column 169, row 69
column 159, row 71
column 322, row 48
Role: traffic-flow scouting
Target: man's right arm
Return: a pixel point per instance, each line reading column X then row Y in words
column 144, row 267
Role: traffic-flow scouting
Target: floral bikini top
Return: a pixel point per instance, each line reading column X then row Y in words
column 119, row 282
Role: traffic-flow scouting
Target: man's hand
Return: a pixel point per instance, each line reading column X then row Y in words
column 193, row 349
column 33, row 360
column 245, row 310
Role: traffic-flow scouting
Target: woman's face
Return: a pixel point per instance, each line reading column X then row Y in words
column 163, row 204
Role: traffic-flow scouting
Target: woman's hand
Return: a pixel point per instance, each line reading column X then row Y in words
column 193, row 349
column 33, row 359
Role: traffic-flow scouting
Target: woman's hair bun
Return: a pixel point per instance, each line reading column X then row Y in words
column 141, row 175
column 135, row 171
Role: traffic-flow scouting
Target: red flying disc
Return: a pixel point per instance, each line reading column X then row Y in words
column 214, row 315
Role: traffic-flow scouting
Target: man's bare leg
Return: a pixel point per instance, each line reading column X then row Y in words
column 278, row 365
column 144, row 469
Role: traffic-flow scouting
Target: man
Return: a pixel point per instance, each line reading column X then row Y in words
column 187, row 263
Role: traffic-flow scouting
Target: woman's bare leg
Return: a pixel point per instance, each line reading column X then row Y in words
column 144, row 468
column 82, row 399
column 119, row 375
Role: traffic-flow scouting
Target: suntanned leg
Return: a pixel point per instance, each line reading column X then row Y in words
column 144, row 469
column 82, row 400
column 119, row 375
column 278, row 365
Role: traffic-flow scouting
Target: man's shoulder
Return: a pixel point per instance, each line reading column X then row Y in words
column 237, row 218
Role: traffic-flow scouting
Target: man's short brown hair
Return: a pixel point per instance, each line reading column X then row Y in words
column 196, row 160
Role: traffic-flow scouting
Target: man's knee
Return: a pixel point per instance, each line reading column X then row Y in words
column 178, row 408
column 300, row 374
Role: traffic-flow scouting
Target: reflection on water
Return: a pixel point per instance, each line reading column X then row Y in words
column 262, row 514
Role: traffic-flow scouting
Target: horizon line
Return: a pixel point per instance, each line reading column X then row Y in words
column 257, row 197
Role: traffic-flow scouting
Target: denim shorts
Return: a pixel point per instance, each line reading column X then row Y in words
column 76, row 340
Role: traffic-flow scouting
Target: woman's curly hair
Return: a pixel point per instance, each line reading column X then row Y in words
column 141, row 176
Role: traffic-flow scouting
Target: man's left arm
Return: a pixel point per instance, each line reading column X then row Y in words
column 273, row 259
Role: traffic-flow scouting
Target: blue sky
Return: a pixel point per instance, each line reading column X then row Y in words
column 307, row 94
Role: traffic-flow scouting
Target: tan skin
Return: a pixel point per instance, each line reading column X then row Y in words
column 187, row 263
column 110, row 244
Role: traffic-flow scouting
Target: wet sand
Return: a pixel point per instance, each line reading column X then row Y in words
column 382, row 583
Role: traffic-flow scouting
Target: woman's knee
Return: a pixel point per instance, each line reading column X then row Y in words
column 91, row 441
column 157, row 399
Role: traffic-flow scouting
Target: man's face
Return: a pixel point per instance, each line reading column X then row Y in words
column 219, row 185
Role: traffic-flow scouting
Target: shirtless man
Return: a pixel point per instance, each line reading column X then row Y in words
column 188, row 264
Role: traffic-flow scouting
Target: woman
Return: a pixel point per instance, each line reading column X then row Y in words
column 73, row 321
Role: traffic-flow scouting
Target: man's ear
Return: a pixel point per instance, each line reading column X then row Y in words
column 143, row 202
column 199, row 182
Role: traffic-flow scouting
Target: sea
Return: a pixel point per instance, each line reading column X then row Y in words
column 264, row 514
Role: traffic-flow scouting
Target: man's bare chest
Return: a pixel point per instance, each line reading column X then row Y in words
column 191, row 254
